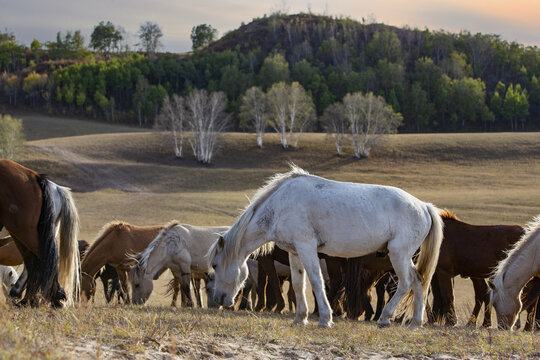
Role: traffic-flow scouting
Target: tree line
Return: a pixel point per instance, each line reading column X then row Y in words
column 436, row 81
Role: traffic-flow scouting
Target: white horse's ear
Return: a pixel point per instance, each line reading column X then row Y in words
column 221, row 242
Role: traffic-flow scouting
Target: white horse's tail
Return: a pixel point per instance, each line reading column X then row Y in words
column 429, row 250
column 68, row 266
column 426, row 262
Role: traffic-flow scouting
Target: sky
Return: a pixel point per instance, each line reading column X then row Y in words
column 517, row 20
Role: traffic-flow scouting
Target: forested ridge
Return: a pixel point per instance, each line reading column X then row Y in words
column 438, row 81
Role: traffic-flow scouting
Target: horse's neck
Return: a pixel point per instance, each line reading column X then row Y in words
column 92, row 262
column 517, row 274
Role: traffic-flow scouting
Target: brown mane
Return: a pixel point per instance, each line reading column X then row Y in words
column 447, row 214
column 105, row 230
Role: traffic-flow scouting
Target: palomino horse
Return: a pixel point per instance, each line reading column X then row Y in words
column 181, row 248
column 33, row 209
column 115, row 246
column 305, row 214
column 513, row 272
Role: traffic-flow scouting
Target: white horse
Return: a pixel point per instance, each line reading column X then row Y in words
column 8, row 277
column 512, row 273
column 184, row 249
column 306, row 214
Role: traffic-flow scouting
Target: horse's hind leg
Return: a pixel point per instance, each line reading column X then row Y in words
column 197, row 291
column 17, row 289
column 408, row 278
column 380, row 289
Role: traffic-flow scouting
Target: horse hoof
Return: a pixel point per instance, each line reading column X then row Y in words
column 414, row 325
column 383, row 324
column 326, row 325
column 299, row 321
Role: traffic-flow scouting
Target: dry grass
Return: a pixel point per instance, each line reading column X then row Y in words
column 126, row 174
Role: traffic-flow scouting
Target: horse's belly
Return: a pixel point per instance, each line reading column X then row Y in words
column 351, row 247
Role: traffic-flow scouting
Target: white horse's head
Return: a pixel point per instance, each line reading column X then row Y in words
column 506, row 306
column 141, row 288
column 230, row 274
column 154, row 259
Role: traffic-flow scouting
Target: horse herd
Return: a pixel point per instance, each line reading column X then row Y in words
column 297, row 224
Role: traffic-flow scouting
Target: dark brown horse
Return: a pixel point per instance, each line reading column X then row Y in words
column 269, row 290
column 30, row 208
column 467, row 250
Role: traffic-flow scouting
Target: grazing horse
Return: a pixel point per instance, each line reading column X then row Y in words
column 184, row 249
column 33, row 209
column 305, row 214
column 115, row 245
column 513, row 272
column 467, row 250
column 111, row 284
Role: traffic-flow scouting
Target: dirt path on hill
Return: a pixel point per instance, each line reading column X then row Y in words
column 95, row 174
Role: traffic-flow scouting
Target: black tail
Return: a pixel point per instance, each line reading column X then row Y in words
column 48, row 248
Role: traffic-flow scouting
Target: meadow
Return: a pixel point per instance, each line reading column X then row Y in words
column 121, row 173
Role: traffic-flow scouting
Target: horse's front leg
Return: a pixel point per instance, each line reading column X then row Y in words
column 310, row 260
column 298, row 282
column 182, row 271
column 123, row 278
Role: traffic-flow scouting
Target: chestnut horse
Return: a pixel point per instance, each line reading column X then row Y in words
column 115, row 245
column 12, row 256
column 33, row 209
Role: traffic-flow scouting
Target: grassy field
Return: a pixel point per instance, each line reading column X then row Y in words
column 120, row 173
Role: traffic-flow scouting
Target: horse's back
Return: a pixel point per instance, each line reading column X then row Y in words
column 474, row 250
column 362, row 215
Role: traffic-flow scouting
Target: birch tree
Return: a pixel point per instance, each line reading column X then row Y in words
column 172, row 119
column 253, row 111
column 291, row 111
column 301, row 112
column 370, row 117
column 277, row 100
column 335, row 122
column 207, row 119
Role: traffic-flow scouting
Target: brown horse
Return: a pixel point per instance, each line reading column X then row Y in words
column 31, row 206
column 10, row 255
column 14, row 256
column 467, row 250
column 116, row 245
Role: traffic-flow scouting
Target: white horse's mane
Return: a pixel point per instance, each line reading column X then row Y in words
column 233, row 237
column 517, row 251
column 142, row 258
